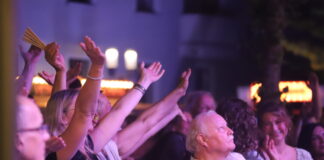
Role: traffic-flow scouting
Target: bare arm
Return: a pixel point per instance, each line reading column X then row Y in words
column 56, row 60
column 86, row 103
column 111, row 123
column 152, row 120
column 31, row 57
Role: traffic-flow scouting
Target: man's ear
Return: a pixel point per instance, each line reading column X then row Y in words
column 202, row 140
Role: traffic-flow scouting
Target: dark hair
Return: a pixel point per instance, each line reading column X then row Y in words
column 305, row 137
column 241, row 118
column 278, row 109
column 192, row 100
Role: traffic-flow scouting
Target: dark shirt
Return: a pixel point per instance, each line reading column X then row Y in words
column 171, row 146
column 79, row 155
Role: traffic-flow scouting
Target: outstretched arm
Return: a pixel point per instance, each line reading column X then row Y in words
column 31, row 57
column 86, row 103
column 56, row 60
column 152, row 120
column 111, row 123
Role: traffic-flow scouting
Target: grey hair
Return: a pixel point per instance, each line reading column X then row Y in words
column 197, row 127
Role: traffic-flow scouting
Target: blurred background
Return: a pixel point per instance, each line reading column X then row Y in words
column 230, row 45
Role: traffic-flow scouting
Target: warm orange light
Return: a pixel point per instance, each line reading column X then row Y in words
column 298, row 91
column 114, row 84
column 110, row 88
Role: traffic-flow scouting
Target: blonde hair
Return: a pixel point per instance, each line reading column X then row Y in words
column 57, row 106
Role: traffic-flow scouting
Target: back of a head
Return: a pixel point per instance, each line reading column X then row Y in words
column 57, row 106
column 193, row 99
column 241, row 118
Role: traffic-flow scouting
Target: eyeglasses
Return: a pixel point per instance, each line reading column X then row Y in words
column 43, row 127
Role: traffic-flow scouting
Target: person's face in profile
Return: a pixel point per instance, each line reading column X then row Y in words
column 219, row 136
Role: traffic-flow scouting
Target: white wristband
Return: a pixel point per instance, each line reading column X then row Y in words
column 95, row 78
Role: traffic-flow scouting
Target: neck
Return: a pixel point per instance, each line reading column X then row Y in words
column 281, row 147
column 210, row 156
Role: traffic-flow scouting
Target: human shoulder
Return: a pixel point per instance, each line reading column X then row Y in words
column 235, row 156
column 302, row 154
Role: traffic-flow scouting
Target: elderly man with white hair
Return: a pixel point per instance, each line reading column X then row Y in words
column 209, row 138
column 31, row 134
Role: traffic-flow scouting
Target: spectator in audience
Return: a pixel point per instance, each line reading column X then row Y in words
column 241, row 119
column 275, row 124
column 312, row 139
column 199, row 101
column 209, row 138
column 31, row 134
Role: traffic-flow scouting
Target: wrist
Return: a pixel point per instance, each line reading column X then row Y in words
column 145, row 83
column 96, row 71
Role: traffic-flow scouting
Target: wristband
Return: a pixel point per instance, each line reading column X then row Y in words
column 139, row 88
column 94, row 78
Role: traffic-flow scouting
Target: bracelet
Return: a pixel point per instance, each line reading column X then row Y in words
column 139, row 88
column 94, row 78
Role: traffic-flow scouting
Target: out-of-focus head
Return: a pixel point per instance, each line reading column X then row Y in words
column 103, row 108
column 274, row 120
column 241, row 118
column 59, row 110
column 61, row 106
column 312, row 139
column 318, row 140
column 31, row 133
column 198, row 102
column 209, row 134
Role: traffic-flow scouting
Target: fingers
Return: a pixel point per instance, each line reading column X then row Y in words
column 161, row 73
column 83, row 47
column 152, row 65
column 142, row 65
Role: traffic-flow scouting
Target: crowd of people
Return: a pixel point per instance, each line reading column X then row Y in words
column 79, row 122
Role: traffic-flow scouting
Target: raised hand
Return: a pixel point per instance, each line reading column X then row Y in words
column 49, row 78
column 92, row 51
column 54, row 57
column 270, row 149
column 184, row 81
column 73, row 72
column 54, row 144
column 32, row 55
column 152, row 73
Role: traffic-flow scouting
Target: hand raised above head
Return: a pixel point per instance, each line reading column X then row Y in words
column 47, row 77
column 32, row 55
column 184, row 81
column 152, row 73
column 54, row 57
column 92, row 51
column 73, row 72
